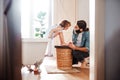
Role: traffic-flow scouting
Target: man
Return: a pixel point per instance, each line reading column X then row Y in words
column 80, row 44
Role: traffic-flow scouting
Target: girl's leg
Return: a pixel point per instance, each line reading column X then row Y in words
column 49, row 48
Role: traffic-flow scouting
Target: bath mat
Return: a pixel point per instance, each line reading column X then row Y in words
column 54, row 70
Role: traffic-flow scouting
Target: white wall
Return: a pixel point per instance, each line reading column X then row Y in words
column 83, row 11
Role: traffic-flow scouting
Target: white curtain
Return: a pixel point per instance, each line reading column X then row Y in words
column 65, row 9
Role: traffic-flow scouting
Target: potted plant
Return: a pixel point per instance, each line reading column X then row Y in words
column 40, row 31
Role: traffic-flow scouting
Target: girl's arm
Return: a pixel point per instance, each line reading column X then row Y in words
column 61, row 38
column 53, row 33
column 50, row 34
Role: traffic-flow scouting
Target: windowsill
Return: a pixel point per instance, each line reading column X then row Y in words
column 34, row 40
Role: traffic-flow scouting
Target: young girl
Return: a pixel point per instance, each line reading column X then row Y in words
column 57, row 30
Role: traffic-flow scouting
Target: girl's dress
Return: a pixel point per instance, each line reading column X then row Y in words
column 54, row 31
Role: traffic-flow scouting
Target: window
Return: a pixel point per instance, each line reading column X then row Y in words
column 36, row 17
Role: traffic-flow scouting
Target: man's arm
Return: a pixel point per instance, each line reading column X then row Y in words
column 84, row 49
column 87, row 42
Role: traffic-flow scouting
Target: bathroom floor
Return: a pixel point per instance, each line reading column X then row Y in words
column 26, row 75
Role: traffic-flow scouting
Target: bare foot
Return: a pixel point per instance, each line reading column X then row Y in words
column 84, row 65
column 75, row 65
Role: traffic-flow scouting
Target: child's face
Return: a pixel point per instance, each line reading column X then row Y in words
column 67, row 26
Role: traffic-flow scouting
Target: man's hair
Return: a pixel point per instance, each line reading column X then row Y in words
column 82, row 24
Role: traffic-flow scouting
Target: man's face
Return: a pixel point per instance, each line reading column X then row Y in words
column 76, row 27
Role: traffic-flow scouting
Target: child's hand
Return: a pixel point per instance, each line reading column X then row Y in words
column 64, row 44
column 71, row 45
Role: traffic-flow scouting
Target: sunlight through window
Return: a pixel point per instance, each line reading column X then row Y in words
column 36, row 16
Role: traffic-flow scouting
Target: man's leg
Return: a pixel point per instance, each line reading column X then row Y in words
column 85, row 60
column 80, row 57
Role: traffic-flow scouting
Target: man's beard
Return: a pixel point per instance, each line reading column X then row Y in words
column 77, row 31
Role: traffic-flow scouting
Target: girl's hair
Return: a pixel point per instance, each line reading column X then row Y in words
column 64, row 23
column 82, row 24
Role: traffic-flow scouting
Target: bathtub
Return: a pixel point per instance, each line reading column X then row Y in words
column 33, row 50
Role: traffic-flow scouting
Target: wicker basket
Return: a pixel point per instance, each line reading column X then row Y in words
column 64, row 57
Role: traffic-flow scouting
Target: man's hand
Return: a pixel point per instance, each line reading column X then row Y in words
column 71, row 45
